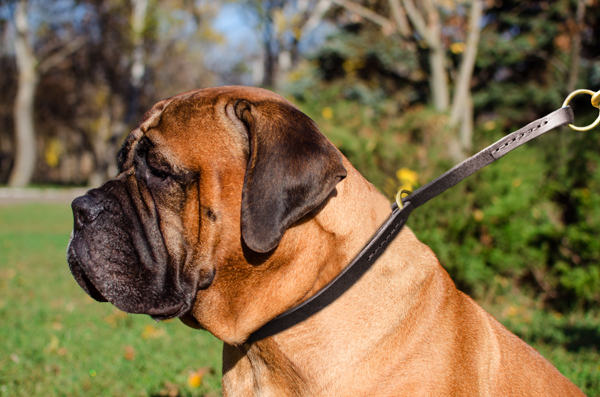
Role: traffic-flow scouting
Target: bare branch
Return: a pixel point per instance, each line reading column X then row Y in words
column 386, row 25
column 59, row 56
column 467, row 64
column 576, row 48
column 319, row 12
column 138, row 24
column 431, row 33
column 419, row 23
column 555, row 61
column 400, row 18
column 24, row 50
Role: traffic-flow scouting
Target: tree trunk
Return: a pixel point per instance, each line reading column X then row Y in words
column 270, row 59
column 431, row 32
column 138, row 64
column 100, row 149
column 26, row 153
column 576, row 47
column 467, row 65
column 438, row 80
column 466, row 127
column 462, row 104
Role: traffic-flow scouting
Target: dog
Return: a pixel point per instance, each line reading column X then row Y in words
column 230, row 207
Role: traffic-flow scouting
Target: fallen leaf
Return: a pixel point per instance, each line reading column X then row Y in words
column 53, row 345
column 115, row 318
column 129, row 353
column 170, row 390
column 195, row 377
column 151, row 332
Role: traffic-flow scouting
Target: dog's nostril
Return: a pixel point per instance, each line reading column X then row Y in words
column 85, row 210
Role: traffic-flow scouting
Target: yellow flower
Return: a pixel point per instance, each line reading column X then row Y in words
column 478, row 215
column 407, row 177
column 327, row 113
column 194, row 380
column 195, row 377
column 53, row 152
column 489, row 125
column 585, row 192
column 557, row 315
column 151, row 332
column 457, row 48
column 351, row 65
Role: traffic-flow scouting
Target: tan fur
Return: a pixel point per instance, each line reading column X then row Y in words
column 402, row 330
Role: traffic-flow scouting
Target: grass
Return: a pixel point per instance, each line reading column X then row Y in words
column 55, row 341
column 569, row 341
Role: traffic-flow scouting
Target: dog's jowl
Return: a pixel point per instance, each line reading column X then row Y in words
column 231, row 207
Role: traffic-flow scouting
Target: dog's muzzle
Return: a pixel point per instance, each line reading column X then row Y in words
column 116, row 256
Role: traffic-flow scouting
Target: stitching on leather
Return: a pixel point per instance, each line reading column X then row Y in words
column 522, row 135
column 387, row 238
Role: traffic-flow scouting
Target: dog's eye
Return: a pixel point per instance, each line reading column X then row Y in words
column 159, row 173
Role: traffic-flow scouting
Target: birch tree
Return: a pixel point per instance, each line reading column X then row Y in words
column 119, row 108
column 421, row 23
column 283, row 24
column 30, row 68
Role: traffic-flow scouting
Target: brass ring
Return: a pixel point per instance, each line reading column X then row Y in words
column 399, row 197
column 595, row 102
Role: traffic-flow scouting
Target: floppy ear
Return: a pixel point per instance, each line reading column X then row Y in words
column 292, row 168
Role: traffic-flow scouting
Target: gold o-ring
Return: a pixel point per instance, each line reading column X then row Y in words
column 399, row 197
column 595, row 102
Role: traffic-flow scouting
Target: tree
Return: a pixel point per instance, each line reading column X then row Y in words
column 282, row 25
column 421, row 24
column 152, row 53
column 111, row 125
column 30, row 68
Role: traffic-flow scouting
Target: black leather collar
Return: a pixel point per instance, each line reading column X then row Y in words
column 390, row 229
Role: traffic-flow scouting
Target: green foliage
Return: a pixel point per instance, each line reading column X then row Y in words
column 56, row 341
column 367, row 64
column 533, row 217
column 530, row 220
column 570, row 342
column 522, row 232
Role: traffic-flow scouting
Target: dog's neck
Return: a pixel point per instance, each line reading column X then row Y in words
column 291, row 359
column 348, row 221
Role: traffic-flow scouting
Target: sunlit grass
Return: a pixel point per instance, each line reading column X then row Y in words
column 57, row 341
column 569, row 341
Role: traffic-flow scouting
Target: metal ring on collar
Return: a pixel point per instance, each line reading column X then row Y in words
column 399, row 197
column 595, row 102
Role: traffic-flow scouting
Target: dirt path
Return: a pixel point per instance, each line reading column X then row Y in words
column 39, row 195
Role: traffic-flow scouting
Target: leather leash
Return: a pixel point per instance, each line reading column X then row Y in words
column 391, row 228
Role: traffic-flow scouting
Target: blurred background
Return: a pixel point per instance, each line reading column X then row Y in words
column 405, row 89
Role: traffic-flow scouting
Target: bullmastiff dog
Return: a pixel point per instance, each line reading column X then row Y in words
column 230, row 207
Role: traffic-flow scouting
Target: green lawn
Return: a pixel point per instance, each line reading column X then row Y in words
column 54, row 340
column 569, row 341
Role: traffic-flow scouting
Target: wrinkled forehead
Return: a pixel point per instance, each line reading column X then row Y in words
column 150, row 120
column 190, row 125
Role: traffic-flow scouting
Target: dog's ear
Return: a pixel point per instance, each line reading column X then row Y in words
column 292, row 168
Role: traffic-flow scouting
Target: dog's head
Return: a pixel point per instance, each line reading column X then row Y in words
column 209, row 182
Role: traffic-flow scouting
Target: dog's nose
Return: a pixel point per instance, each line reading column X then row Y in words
column 85, row 210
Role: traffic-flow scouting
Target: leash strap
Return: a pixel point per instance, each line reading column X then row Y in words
column 390, row 229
